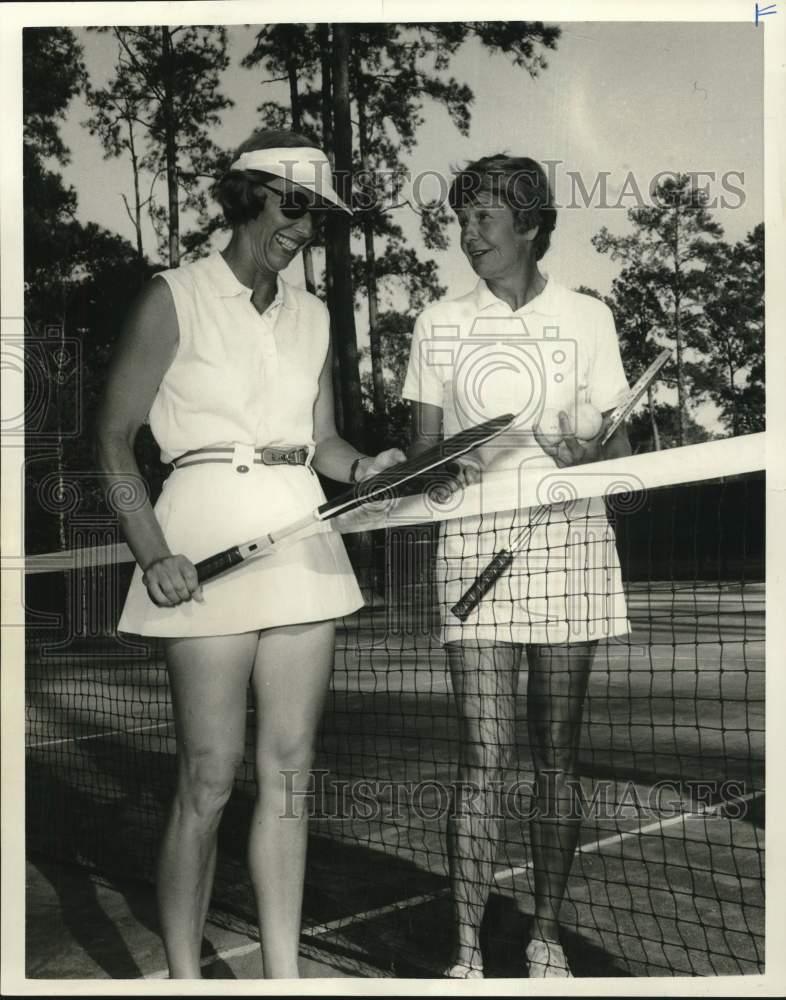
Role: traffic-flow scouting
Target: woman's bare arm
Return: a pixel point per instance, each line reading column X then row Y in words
column 426, row 428
column 145, row 350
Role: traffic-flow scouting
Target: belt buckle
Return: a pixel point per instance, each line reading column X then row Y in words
column 292, row 456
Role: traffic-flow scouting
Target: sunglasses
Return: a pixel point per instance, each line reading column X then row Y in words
column 294, row 205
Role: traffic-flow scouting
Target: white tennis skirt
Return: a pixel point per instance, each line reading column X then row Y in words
column 207, row 508
column 564, row 585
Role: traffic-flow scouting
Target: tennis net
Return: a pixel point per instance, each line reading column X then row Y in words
column 669, row 873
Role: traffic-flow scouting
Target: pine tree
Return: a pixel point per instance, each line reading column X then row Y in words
column 666, row 257
column 167, row 81
column 731, row 373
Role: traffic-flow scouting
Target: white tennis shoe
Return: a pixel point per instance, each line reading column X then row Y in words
column 546, row 958
column 462, row 971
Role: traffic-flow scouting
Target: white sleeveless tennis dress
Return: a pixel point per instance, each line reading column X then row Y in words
column 243, row 380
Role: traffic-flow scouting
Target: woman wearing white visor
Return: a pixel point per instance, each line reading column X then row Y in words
column 231, row 367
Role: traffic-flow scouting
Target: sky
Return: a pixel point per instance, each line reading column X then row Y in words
column 603, row 104
column 620, row 98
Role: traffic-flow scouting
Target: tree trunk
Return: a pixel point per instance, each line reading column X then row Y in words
column 678, row 330
column 735, row 424
column 308, row 270
column 294, row 103
column 339, row 243
column 680, row 376
column 653, row 421
column 375, row 343
column 375, row 346
column 140, row 250
column 171, row 148
column 327, row 89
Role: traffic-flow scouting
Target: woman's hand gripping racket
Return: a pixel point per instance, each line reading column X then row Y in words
column 408, row 477
column 503, row 559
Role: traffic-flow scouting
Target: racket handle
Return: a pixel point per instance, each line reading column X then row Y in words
column 208, row 568
column 482, row 585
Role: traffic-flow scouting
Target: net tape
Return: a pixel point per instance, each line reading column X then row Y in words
column 503, row 492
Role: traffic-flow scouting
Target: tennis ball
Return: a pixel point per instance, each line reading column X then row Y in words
column 548, row 425
column 588, row 421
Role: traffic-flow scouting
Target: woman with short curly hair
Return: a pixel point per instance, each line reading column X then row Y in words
column 518, row 342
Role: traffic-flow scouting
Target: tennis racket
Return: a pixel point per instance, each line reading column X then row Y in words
column 623, row 411
column 502, row 560
column 402, row 479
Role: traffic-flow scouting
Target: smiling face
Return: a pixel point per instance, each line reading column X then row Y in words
column 493, row 245
column 276, row 240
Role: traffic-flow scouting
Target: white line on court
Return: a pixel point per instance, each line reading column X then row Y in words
column 501, row 876
column 226, row 953
column 511, row 872
column 98, row 736
column 103, row 735
column 380, row 911
column 408, row 903
column 412, row 901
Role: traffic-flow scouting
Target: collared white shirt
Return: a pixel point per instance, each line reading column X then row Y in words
column 238, row 376
column 476, row 358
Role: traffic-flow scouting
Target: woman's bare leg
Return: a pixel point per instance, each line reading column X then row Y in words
column 209, row 680
column 556, row 688
column 290, row 681
column 485, row 676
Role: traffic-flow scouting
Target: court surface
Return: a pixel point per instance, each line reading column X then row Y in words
column 665, row 886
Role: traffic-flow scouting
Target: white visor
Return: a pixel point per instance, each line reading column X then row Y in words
column 305, row 166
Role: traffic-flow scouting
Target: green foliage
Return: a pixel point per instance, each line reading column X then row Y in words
column 681, row 286
column 79, row 281
column 81, row 310
column 520, row 41
column 731, row 373
column 395, row 70
column 169, row 89
column 674, row 282
column 49, row 207
column 52, row 73
column 399, row 268
column 393, row 429
column 642, row 437
column 395, row 337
